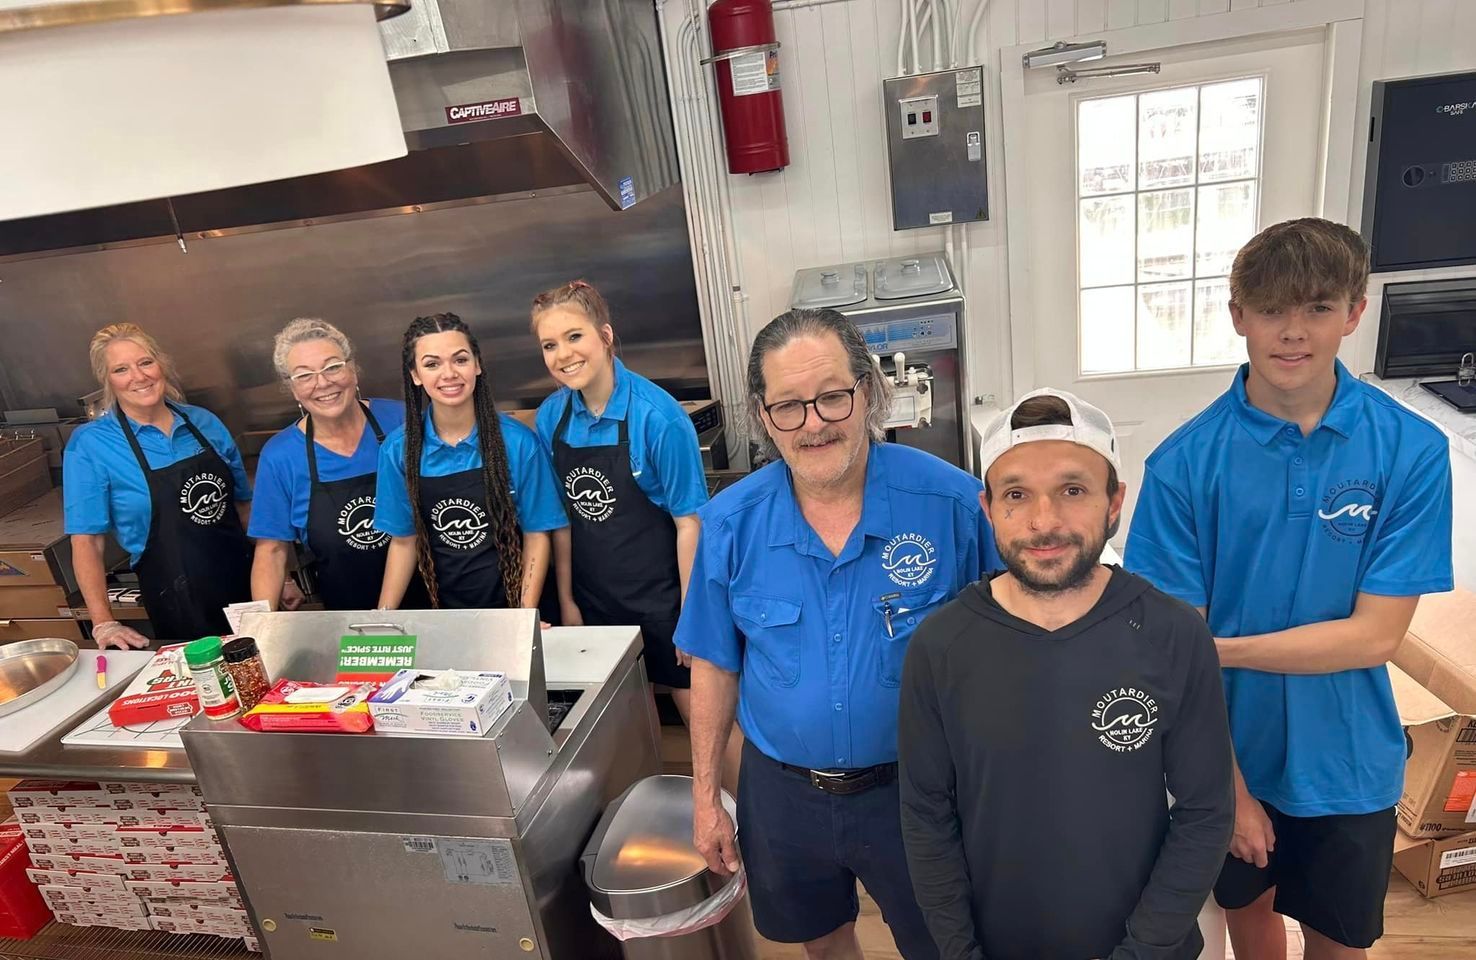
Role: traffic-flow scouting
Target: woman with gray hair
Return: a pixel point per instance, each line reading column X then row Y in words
column 315, row 482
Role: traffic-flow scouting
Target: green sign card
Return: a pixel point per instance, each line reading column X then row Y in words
column 363, row 659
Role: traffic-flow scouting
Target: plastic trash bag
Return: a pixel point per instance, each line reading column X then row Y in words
column 709, row 912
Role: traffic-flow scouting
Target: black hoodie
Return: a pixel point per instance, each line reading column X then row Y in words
column 1033, row 769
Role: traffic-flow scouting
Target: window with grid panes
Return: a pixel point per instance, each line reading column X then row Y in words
column 1168, row 183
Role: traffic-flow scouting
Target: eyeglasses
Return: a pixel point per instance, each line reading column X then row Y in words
column 831, row 406
column 333, row 373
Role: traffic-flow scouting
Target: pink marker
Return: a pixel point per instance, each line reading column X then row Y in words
column 102, row 672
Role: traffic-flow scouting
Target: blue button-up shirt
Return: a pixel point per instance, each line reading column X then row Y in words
column 104, row 490
column 534, row 491
column 1271, row 530
column 284, row 486
column 665, row 458
column 818, row 640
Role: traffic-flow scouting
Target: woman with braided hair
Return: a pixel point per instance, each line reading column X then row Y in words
column 466, row 493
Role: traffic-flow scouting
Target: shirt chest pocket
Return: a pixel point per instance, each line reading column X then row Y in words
column 897, row 617
column 772, row 629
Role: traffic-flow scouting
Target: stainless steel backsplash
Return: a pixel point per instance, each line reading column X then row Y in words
column 216, row 308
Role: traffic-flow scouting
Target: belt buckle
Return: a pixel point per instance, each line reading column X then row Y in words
column 821, row 780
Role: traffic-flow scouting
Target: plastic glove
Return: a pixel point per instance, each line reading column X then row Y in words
column 111, row 633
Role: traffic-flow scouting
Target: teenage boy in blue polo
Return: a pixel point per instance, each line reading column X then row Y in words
column 1305, row 513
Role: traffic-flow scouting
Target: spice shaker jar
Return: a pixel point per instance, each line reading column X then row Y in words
column 244, row 663
column 217, row 691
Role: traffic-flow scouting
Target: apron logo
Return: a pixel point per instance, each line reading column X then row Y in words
column 356, row 525
column 460, row 523
column 590, row 493
column 909, row 559
column 203, row 499
column 1124, row 719
column 1348, row 508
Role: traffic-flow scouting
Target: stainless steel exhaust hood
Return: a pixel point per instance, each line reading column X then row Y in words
column 586, row 73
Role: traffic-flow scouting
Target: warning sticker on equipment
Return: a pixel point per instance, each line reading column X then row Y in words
column 756, row 72
column 485, row 862
column 945, row 217
column 969, row 87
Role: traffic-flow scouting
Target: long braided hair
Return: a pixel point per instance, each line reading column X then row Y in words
column 506, row 534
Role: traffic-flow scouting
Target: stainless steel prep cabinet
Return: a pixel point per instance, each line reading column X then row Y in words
column 394, row 845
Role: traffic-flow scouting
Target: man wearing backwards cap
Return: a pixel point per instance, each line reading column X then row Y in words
column 1043, row 712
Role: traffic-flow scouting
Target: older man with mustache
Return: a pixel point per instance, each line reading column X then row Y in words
column 1043, row 712
column 810, row 578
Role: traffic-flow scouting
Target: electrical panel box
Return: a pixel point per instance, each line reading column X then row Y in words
column 1419, row 196
column 935, row 145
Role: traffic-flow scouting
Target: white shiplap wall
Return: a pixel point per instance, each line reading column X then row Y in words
column 831, row 205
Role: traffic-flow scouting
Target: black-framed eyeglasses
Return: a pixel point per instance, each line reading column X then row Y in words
column 831, row 406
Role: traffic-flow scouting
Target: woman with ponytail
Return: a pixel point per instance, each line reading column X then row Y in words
column 627, row 456
column 466, row 493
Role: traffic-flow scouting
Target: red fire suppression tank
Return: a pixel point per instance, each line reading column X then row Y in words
column 746, row 56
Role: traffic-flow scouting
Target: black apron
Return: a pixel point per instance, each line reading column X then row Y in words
column 468, row 566
column 348, row 553
column 624, row 549
column 197, row 558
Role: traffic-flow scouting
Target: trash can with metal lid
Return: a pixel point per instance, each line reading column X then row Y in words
column 652, row 890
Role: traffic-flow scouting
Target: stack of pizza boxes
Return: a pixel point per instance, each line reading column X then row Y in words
column 135, row 856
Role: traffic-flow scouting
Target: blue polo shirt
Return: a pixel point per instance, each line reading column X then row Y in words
column 1270, row 530
column 284, row 487
column 535, row 493
column 807, row 632
column 664, row 456
column 104, row 490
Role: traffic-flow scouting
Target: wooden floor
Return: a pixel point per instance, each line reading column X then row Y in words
column 1414, row 928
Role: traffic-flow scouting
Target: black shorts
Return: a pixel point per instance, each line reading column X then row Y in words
column 1330, row 873
column 805, row 850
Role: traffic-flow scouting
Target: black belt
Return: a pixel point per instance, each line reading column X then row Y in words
column 843, row 783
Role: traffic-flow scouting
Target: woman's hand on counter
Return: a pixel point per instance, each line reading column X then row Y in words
column 111, row 633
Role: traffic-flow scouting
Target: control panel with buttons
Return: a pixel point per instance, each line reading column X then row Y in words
column 919, row 117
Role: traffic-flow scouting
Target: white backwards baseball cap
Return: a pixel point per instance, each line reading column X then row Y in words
column 1089, row 427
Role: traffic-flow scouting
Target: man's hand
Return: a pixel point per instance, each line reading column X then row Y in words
column 571, row 614
column 291, row 594
column 712, row 834
column 111, row 633
column 1254, row 837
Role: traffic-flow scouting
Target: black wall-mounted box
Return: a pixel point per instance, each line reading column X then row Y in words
column 1425, row 328
column 1419, row 192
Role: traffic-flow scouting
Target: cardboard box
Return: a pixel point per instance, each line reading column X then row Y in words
column 156, row 801
column 69, row 847
column 1439, row 650
column 209, row 925
column 176, row 855
column 251, row 943
column 73, row 898
column 1437, row 866
column 177, row 871
column 161, row 819
column 469, row 709
column 190, row 837
column 196, row 908
column 224, row 890
column 69, row 815
column 119, row 788
column 57, row 793
column 89, row 919
column 1434, row 680
column 81, row 863
column 104, row 883
column 162, row 689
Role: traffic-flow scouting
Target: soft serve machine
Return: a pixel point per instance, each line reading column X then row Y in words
column 910, row 311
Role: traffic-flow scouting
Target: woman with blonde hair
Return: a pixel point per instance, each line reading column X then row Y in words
column 626, row 455
column 315, row 481
column 164, row 478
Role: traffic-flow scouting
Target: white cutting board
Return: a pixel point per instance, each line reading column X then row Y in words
column 23, row 729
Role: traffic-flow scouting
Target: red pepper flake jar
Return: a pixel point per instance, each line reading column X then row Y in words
column 243, row 661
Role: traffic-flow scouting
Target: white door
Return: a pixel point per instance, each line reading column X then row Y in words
column 1137, row 192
